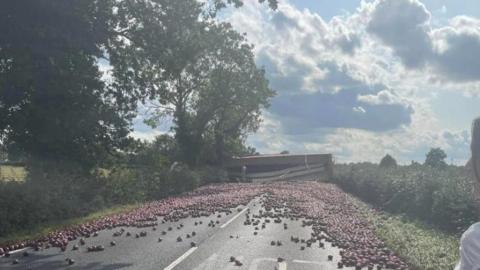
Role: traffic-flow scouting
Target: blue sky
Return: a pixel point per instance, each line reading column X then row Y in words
column 361, row 79
column 328, row 8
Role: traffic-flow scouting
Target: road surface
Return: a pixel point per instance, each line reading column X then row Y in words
column 230, row 244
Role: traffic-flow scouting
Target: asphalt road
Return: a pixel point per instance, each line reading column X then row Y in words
column 213, row 249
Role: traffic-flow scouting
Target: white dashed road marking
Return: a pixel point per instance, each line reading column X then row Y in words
column 310, row 262
column 282, row 266
column 233, row 218
column 257, row 261
column 19, row 250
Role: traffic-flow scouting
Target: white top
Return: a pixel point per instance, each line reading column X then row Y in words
column 470, row 249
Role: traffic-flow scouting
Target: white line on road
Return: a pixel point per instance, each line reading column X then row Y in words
column 308, row 262
column 257, row 261
column 18, row 250
column 180, row 259
column 282, row 266
column 233, row 218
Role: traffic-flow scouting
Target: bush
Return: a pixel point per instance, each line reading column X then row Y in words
column 139, row 184
column 443, row 198
column 209, row 175
column 123, row 185
column 182, row 179
column 63, row 194
column 35, row 201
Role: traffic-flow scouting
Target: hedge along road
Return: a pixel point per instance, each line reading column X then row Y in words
column 230, row 244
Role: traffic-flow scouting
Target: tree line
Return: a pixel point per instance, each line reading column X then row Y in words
column 435, row 158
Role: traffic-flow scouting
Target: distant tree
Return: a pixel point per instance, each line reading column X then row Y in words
column 252, row 151
column 415, row 163
column 284, row 152
column 435, row 158
column 388, row 162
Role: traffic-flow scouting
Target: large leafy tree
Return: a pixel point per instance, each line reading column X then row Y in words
column 230, row 105
column 153, row 43
column 174, row 51
column 218, row 93
column 53, row 101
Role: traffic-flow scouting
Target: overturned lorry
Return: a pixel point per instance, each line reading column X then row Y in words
column 282, row 167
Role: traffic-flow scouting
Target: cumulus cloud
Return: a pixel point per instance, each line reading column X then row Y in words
column 457, row 51
column 403, row 25
column 309, row 63
column 385, row 96
column 452, row 52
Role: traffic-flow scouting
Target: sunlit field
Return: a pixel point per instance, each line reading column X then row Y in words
column 12, row 173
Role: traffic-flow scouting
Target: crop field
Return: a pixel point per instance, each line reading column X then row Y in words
column 440, row 197
column 12, row 173
column 421, row 211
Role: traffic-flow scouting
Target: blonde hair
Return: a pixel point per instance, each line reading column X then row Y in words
column 475, row 147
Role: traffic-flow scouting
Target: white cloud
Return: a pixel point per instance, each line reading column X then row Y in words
column 359, row 109
column 383, row 97
column 403, row 25
column 450, row 53
column 148, row 135
column 457, row 50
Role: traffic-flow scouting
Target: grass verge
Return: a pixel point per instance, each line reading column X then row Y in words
column 44, row 229
column 421, row 246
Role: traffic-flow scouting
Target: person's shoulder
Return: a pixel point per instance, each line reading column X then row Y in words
column 470, row 249
column 472, row 235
